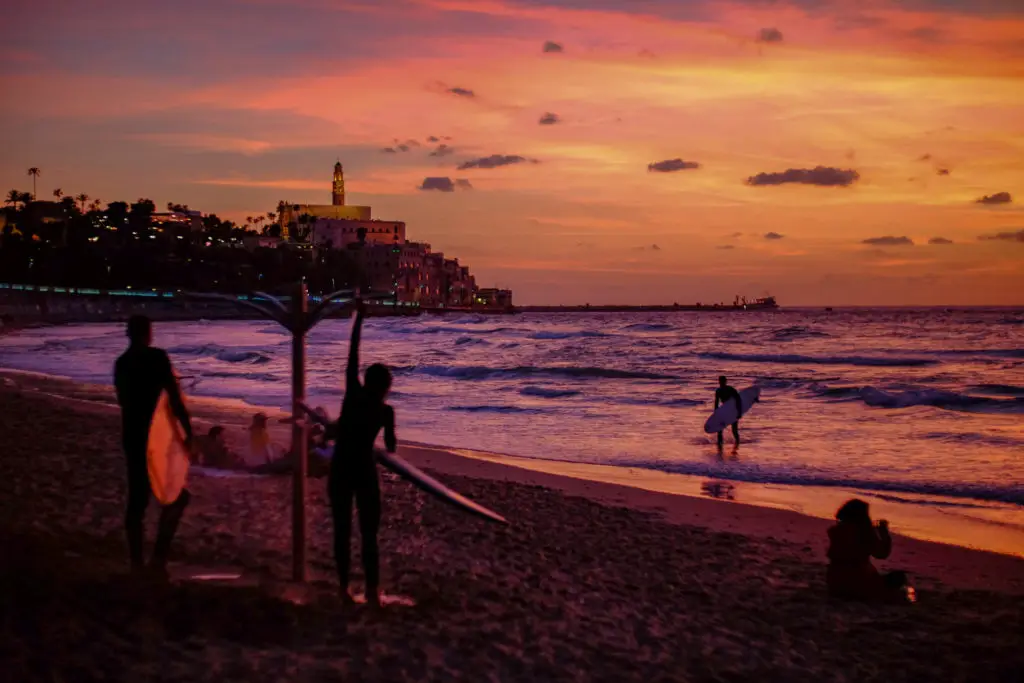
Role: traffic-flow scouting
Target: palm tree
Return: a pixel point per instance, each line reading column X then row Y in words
column 96, row 204
column 271, row 216
column 83, row 198
column 13, row 197
column 34, row 172
column 58, row 193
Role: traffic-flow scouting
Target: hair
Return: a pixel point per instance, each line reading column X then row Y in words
column 216, row 431
column 139, row 329
column 854, row 511
column 723, row 379
column 378, row 379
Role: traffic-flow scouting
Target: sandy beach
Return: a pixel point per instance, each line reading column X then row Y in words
column 592, row 581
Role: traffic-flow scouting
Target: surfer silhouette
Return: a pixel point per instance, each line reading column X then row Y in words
column 724, row 393
column 353, row 474
column 141, row 373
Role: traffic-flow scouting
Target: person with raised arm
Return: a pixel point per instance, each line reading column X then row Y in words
column 353, row 474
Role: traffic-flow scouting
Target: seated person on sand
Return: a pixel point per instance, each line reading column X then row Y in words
column 261, row 449
column 853, row 541
column 212, row 451
column 316, row 464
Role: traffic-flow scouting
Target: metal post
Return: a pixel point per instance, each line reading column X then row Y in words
column 299, row 442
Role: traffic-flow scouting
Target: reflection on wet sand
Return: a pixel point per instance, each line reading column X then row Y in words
column 718, row 489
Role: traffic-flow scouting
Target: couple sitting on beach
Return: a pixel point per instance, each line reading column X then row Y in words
column 266, row 457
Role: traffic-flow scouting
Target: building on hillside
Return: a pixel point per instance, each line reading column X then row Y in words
column 289, row 214
column 458, row 285
column 387, row 261
column 494, row 298
column 253, row 242
column 186, row 220
column 339, row 233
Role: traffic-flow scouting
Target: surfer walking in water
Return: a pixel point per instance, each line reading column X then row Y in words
column 353, row 474
column 725, row 393
column 141, row 373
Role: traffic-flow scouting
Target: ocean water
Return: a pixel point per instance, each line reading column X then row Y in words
column 910, row 402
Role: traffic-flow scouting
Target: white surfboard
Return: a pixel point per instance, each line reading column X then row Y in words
column 725, row 415
column 419, row 478
column 166, row 454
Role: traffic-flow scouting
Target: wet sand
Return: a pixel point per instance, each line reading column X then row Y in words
column 593, row 581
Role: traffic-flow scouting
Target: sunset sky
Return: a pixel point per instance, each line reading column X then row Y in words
column 560, row 113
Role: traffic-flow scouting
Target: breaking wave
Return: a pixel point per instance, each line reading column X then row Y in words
column 475, row 372
column 545, row 392
column 865, row 361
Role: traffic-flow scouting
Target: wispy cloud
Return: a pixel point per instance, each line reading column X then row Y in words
column 822, row 176
column 769, row 35
column 997, row 198
column 1017, row 236
column 889, row 241
column 671, row 165
column 940, row 240
column 773, row 236
column 495, row 161
column 277, row 184
column 551, row 46
column 462, row 92
column 443, row 184
column 549, row 119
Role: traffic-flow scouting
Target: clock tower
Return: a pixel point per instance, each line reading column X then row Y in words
column 338, row 192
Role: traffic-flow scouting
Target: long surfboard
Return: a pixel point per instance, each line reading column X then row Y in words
column 725, row 415
column 419, row 478
column 166, row 455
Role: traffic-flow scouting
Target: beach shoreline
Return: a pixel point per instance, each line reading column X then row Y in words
column 794, row 514
column 914, row 516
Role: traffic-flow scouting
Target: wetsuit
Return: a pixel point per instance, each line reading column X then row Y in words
column 140, row 374
column 354, row 470
column 723, row 395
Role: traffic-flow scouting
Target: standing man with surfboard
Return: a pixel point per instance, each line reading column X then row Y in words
column 725, row 393
column 353, row 468
column 142, row 373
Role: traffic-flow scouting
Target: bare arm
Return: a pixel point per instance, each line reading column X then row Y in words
column 352, row 372
column 882, row 546
column 390, row 440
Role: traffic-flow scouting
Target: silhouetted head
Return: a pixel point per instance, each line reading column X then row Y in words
column 216, row 433
column 854, row 511
column 378, row 381
column 140, row 330
column 722, row 380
